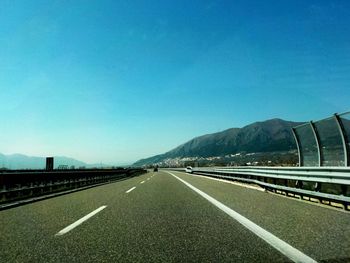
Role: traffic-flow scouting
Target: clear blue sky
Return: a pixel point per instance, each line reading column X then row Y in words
column 115, row 81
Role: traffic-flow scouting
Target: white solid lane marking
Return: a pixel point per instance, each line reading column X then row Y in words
column 130, row 190
column 142, row 182
column 80, row 221
column 286, row 249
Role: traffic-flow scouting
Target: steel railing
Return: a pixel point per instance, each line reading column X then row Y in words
column 19, row 185
column 323, row 183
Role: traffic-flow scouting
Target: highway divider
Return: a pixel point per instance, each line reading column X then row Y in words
column 325, row 184
column 23, row 184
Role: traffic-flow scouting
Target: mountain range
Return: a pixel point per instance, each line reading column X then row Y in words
column 21, row 161
column 267, row 136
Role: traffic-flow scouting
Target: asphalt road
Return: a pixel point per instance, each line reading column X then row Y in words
column 163, row 220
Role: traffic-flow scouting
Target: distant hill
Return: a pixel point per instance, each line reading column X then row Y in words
column 20, row 161
column 267, row 136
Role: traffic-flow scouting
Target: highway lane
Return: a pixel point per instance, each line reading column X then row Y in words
column 162, row 220
column 27, row 231
column 321, row 232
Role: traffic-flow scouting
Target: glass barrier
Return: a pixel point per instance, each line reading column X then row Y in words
column 345, row 120
column 331, row 143
column 331, row 137
column 307, row 145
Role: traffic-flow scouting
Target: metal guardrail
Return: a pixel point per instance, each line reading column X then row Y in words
column 23, row 184
column 323, row 183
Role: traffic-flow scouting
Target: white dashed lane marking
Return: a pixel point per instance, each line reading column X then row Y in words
column 130, row 190
column 80, row 221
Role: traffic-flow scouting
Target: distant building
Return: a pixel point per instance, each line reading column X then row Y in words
column 49, row 163
column 62, row 167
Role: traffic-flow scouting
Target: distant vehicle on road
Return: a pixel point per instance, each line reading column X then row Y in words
column 155, row 169
column 188, row 169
